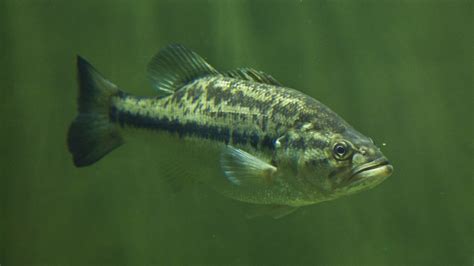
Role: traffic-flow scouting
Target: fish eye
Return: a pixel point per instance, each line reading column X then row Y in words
column 341, row 150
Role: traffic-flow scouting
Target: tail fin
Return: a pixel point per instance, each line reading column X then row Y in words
column 91, row 135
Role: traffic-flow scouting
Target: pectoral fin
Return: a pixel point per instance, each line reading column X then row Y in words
column 244, row 169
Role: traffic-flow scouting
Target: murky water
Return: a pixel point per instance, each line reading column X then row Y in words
column 399, row 71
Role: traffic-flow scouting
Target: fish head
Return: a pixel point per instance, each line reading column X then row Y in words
column 343, row 163
column 357, row 163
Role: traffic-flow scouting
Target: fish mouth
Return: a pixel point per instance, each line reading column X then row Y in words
column 378, row 169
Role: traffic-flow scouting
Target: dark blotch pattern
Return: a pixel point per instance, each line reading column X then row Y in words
column 217, row 133
column 303, row 142
column 170, row 125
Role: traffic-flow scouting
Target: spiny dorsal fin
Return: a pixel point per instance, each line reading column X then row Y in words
column 251, row 74
column 175, row 66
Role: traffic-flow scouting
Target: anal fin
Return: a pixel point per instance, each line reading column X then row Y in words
column 275, row 211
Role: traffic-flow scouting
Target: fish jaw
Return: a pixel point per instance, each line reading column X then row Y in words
column 369, row 175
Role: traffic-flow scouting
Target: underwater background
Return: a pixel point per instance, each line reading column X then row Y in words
column 399, row 71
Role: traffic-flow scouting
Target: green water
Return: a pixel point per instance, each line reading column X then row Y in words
column 399, row 71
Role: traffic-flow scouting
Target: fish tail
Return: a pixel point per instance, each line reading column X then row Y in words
column 92, row 135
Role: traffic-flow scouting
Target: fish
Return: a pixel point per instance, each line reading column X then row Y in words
column 277, row 147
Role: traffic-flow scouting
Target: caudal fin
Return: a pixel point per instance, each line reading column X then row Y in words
column 91, row 135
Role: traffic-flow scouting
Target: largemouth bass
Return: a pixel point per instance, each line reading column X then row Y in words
column 278, row 146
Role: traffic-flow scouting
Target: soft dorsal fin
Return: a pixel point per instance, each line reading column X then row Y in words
column 251, row 74
column 175, row 66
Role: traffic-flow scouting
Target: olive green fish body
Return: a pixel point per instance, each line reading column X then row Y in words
column 235, row 112
column 278, row 146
